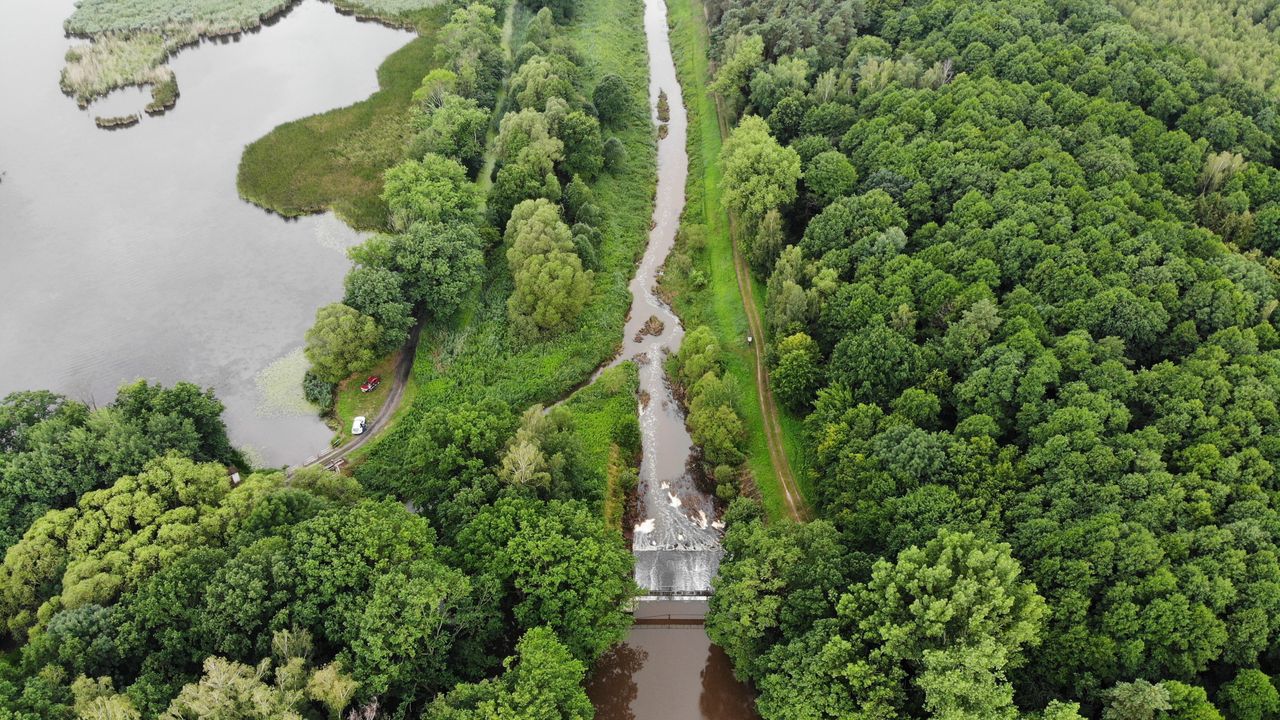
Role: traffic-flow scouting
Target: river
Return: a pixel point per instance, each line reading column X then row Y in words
column 667, row 669
column 128, row 253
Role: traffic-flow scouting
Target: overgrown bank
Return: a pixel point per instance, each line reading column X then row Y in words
column 477, row 357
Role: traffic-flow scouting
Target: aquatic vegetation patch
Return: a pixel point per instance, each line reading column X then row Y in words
column 164, row 95
column 280, row 387
column 112, row 62
column 396, row 12
column 172, row 17
column 117, row 121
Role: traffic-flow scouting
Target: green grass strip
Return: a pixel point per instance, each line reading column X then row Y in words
column 719, row 304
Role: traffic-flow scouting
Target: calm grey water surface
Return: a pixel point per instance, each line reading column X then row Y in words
column 128, row 254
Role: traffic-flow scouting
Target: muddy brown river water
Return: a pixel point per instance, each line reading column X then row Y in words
column 128, row 253
column 667, row 669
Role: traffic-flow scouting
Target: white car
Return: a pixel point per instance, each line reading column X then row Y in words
column 358, row 425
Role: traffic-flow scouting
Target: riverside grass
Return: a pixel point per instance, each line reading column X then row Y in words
column 130, row 40
column 335, row 159
column 604, row 412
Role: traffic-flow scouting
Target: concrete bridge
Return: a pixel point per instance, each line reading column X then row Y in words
column 673, row 610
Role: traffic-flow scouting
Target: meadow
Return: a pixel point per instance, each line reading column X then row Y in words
column 604, row 415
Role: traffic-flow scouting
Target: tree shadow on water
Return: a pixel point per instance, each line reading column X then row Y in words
column 723, row 696
column 612, row 686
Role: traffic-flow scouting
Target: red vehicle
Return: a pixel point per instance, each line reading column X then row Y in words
column 373, row 382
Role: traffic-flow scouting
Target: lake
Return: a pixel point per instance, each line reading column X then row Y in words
column 128, row 254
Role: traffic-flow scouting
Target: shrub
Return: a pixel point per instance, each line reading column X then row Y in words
column 319, row 392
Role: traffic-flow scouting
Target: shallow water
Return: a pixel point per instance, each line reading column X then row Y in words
column 128, row 253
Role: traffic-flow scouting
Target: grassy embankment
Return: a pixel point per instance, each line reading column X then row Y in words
column 600, row 411
column 335, row 159
column 475, row 356
column 351, row 403
column 715, row 301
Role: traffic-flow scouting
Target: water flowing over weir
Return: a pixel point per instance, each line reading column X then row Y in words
column 677, row 541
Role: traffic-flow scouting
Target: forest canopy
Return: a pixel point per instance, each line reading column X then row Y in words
column 1021, row 291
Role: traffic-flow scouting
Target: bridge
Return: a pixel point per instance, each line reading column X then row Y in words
column 670, row 609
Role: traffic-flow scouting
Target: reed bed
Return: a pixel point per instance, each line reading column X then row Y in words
column 186, row 17
column 111, row 62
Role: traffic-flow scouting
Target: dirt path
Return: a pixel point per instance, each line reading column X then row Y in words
column 796, row 505
column 484, row 180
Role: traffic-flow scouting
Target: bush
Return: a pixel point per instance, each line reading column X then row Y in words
column 615, row 154
column 318, row 392
column 612, row 98
column 727, row 486
column 626, row 434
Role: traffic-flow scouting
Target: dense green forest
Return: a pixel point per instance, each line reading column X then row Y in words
column 1238, row 38
column 54, row 449
column 1020, row 285
column 1018, row 259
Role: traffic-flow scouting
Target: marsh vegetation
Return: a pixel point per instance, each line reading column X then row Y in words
column 335, row 159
